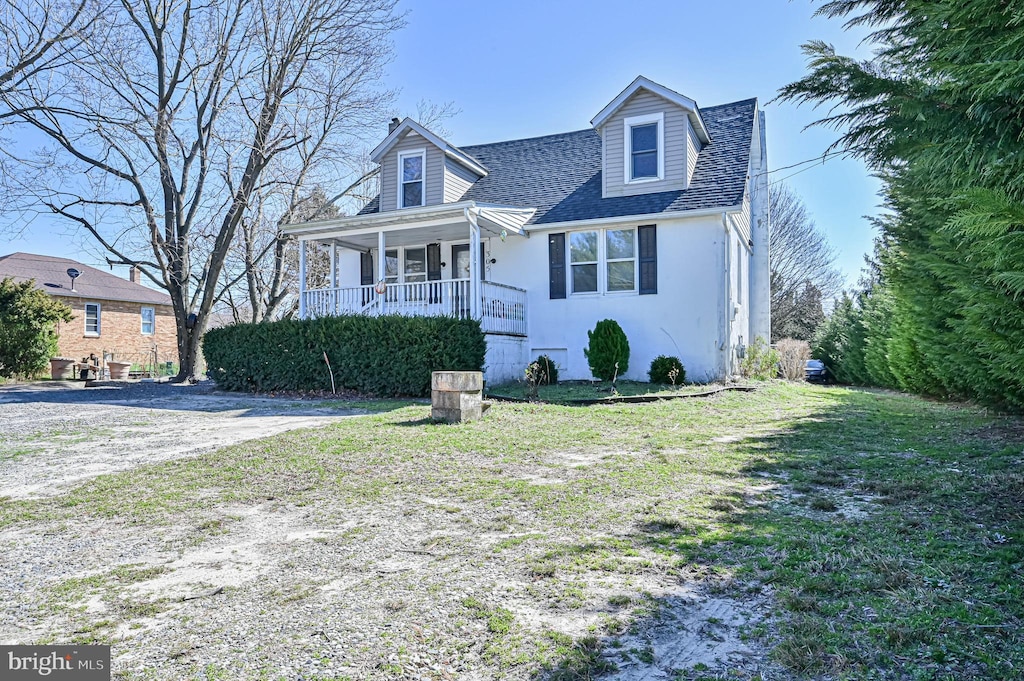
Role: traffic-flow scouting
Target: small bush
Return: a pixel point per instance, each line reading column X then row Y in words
column 389, row 355
column 793, row 356
column 547, row 370
column 666, row 369
column 608, row 350
column 28, row 328
column 761, row 363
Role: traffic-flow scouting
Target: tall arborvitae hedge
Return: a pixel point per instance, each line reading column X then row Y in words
column 389, row 355
column 937, row 115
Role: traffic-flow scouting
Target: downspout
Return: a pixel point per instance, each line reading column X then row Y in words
column 727, row 302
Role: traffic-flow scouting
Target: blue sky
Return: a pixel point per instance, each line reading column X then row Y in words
column 529, row 68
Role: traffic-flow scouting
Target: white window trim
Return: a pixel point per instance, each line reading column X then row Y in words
column 142, row 321
column 422, row 153
column 627, row 146
column 99, row 323
column 400, row 277
column 602, row 262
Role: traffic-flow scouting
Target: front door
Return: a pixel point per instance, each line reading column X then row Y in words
column 460, row 261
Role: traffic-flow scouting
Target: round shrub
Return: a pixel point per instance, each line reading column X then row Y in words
column 666, row 369
column 547, row 370
column 608, row 350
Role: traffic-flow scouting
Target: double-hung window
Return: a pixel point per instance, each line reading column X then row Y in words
column 92, row 319
column 148, row 321
column 644, row 145
column 411, row 186
column 603, row 261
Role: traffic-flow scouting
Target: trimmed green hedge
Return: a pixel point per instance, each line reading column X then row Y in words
column 386, row 356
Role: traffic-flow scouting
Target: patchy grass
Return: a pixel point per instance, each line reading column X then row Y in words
column 567, row 391
column 889, row 529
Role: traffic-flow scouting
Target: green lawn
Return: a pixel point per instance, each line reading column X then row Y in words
column 880, row 536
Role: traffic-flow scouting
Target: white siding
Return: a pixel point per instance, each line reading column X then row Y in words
column 434, row 172
column 675, row 135
column 683, row 319
column 457, row 180
column 693, row 146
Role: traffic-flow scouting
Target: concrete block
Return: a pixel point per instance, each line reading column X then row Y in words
column 457, row 380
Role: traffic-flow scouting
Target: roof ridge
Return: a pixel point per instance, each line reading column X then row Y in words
column 529, row 139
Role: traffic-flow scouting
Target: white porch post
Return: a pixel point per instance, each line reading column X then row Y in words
column 474, row 267
column 381, row 270
column 334, row 278
column 302, row 279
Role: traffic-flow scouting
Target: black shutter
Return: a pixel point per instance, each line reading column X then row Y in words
column 434, row 271
column 365, row 268
column 366, row 275
column 483, row 264
column 433, row 262
column 648, row 235
column 556, row 265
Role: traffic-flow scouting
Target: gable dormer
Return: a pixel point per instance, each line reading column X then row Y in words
column 650, row 138
column 418, row 168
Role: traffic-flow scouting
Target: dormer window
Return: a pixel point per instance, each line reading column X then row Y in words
column 411, row 168
column 644, row 147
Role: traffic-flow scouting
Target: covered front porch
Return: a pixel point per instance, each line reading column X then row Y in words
column 429, row 261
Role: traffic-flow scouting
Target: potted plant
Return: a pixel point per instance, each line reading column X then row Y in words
column 62, row 368
column 119, row 370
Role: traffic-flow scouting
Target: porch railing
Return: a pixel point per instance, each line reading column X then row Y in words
column 502, row 309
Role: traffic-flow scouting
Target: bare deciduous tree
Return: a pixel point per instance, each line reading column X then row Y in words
column 803, row 270
column 180, row 120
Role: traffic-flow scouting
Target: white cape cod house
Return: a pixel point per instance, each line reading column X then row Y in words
column 656, row 217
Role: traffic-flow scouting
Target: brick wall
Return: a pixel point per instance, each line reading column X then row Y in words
column 120, row 333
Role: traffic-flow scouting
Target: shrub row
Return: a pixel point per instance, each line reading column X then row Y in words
column 385, row 356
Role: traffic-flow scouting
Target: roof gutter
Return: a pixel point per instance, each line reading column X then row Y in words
column 699, row 213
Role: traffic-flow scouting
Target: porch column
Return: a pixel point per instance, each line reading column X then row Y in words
column 334, row 278
column 474, row 266
column 302, row 278
column 381, row 270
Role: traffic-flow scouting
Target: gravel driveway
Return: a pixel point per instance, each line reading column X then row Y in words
column 58, row 434
column 305, row 585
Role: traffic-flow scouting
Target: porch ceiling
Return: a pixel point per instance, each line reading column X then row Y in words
column 411, row 227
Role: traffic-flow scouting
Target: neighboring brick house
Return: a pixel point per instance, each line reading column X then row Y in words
column 116, row 317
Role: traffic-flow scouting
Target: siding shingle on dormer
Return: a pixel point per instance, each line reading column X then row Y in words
column 676, row 135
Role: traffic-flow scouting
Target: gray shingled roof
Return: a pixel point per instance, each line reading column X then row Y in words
column 560, row 175
column 50, row 275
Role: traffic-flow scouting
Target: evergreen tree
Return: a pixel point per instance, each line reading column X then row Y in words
column 936, row 114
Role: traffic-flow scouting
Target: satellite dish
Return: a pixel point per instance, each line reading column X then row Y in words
column 74, row 274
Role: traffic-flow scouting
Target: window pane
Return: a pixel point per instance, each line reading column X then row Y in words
column 584, row 278
column 147, row 320
column 391, row 265
column 92, row 319
column 621, row 276
column 583, row 246
column 412, row 194
column 619, row 243
column 645, row 137
column 415, row 261
column 645, row 164
column 412, row 168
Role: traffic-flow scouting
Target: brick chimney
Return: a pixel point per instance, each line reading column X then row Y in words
column 393, row 124
column 133, row 275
